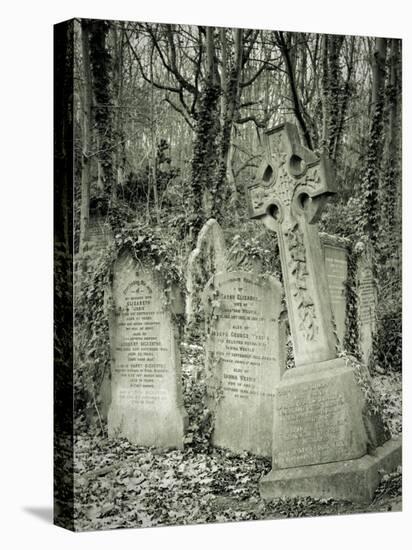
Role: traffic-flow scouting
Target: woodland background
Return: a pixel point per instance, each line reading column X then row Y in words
column 168, row 125
column 168, row 131
column 27, row 123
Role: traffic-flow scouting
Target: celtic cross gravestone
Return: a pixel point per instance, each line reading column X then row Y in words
column 323, row 425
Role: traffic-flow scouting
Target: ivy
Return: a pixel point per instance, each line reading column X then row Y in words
column 93, row 302
column 370, row 214
column 376, row 428
column 101, row 65
column 204, row 160
column 351, row 340
column 254, row 249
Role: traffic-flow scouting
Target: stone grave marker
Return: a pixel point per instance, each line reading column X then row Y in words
column 245, row 357
column 336, row 252
column 98, row 237
column 208, row 258
column 327, row 441
column 367, row 302
column 99, row 234
column 336, row 264
column 146, row 405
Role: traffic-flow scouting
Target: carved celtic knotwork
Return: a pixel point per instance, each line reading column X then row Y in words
column 299, row 281
column 287, row 169
column 290, row 191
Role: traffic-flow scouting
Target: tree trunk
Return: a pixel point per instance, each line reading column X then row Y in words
column 103, row 105
column 205, row 146
column 289, row 60
column 332, row 94
column 370, row 183
column 390, row 221
column 86, row 138
column 118, row 90
column 230, row 83
column 346, row 93
column 153, row 150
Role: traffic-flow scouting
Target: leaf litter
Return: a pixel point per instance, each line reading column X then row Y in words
column 119, row 484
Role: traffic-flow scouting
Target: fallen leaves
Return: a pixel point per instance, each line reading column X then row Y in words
column 118, row 484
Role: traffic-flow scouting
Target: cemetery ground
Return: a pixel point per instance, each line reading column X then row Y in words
column 118, row 484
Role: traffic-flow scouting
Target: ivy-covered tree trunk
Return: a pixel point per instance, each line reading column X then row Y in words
column 392, row 164
column 335, row 93
column 205, row 147
column 86, row 130
column 230, row 84
column 101, row 66
column 390, row 224
column 370, row 182
column 118, row 124
column 345, row 95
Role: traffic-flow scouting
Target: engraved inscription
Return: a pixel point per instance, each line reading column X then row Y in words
column 240, row 340
column 146, row 405
column 245, row 359
column 312, row 425
column 367, row 297
column 140, row 366
column 337, row 272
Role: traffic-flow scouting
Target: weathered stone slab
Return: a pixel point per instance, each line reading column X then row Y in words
column 208, row 258
column 367, row 302
column 318, row 416
column 336, row 264
column 146, row 405
column 99, row 233
column 355, row 480
column 336, row 252
column 245, row 355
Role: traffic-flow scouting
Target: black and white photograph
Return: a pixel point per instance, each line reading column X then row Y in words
column 205, row 275
column 235, row 243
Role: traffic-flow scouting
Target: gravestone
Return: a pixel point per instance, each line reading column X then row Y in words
column 98, row 237
column 367, row 301
column 327, row 441
column 146, row 405
column 208, row 258
column 335, row 250
column 99, row 233
column 245, row 357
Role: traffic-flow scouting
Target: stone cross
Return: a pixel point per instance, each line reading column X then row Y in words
column 289, row 193
column 323, row 423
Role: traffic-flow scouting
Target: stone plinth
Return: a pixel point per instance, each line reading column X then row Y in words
column 354, row 480
column 318, row 416
column 146, row 405
column 323, row 432
column 245, row 356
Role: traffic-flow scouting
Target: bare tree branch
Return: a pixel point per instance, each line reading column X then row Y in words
column 292, row 82
column 254, row 77
column 181, row 111
column 179, row 77
column 145, row 77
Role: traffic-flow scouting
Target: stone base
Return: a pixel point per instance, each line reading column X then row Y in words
column 163, row 429
column 321, row 416
column 354, row 480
